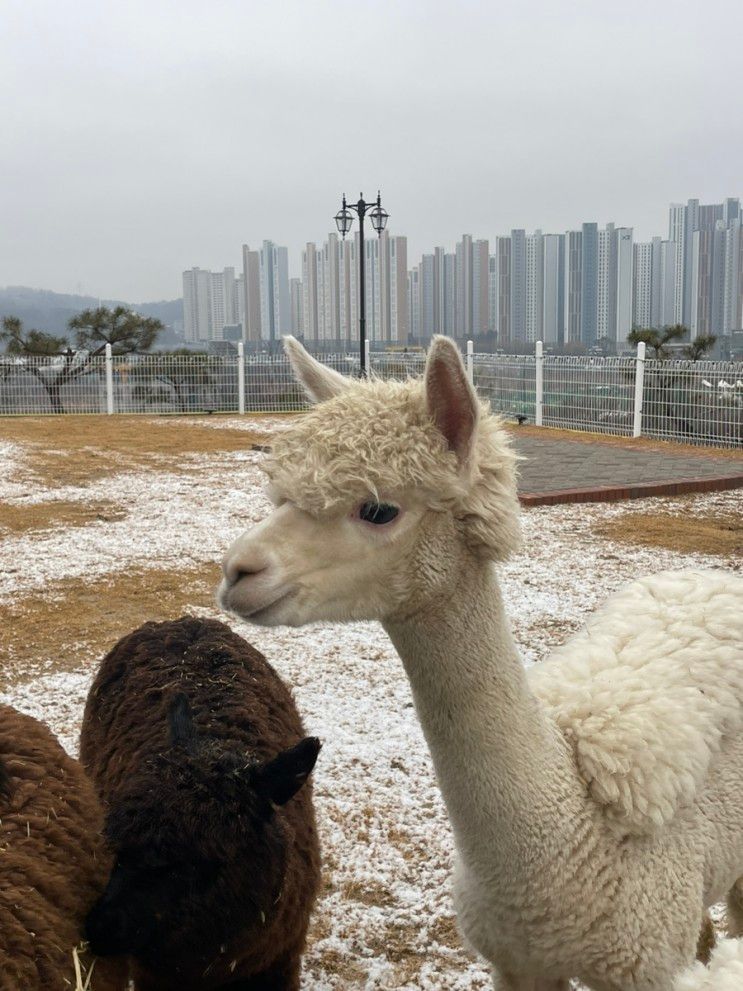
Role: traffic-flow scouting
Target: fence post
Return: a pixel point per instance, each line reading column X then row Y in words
column 240, row 377
column 639, row 385
column 539, row 382
column 367, row 356
column 471, row 362
column 109, row 380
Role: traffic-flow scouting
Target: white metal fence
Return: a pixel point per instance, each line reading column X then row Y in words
column 699, row 402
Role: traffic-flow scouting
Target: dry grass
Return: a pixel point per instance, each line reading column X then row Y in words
column 336, row 964
column 715, row 533
column 77, row 619
column 368, row 893
column 445, row 932
column 53, row 514
column 77, row 450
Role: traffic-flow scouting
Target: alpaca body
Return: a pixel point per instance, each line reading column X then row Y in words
column 217, row 858
column 596, row 803
column 53, row 863
column 529, row 844
column 630, row 926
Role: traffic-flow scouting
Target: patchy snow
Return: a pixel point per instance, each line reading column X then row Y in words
column 171, row 518
column 11, row 457
column 385, row 918
column 262, row 424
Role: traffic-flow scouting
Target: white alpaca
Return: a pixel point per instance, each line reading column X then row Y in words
column 725, row 971
column 596, row 805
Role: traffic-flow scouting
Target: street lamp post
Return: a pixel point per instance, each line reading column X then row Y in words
column 344, row 221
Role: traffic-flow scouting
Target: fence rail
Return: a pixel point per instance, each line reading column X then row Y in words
column 696, row 402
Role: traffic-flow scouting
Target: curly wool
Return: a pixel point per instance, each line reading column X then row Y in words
column 349, row 449
column 647, row 691
column 240, row 705
column 724, row 973
column 53, row 862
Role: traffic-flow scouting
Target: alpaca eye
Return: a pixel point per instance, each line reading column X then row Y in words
column 378, row 512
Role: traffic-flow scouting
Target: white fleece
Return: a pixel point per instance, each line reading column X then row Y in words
column 724, row 973
column 646, row 691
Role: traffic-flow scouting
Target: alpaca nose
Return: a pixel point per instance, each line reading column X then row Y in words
column 237, row 566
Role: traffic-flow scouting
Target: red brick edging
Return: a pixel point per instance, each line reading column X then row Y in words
column 615, row 493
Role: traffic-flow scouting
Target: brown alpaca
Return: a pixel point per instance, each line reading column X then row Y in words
column 197, row 749
column 52, row 863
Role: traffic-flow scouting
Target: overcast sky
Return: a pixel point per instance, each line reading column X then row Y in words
column 142, row 138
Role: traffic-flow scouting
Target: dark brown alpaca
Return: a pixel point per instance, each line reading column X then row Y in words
column 52, row 862
column 199, row 755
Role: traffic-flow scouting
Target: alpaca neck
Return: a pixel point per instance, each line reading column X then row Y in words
column 501, row 766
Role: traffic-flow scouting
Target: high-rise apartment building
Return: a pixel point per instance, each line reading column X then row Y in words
column 503, row 317
column 275, row 298
column 398, row 280
column 251, row 287
column 297, row 304
column 623, row 276
column 480, row 287
column 589, row 285
column 414, row 302
column 196, row 310
column 450, row 294
column 733, row 282
column 210, row 303
column 573, row 286
column 518, row 286
column 606, row 293
column 534, row 287
column 330, row 278
column 553, row 295
column 428, row 296
column 492, row 293
column 309, row 291
column 463, row 254
column 642, row 285
column 664, row 283
column 701, row 273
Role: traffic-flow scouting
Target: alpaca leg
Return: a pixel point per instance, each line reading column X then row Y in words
column 735, row 909
column 707, row 940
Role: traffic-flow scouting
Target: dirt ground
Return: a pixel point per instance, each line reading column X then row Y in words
column 80, row 618
column 78, row 450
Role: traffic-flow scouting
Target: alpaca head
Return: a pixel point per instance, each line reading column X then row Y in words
column 199, row 845
column 382, row 493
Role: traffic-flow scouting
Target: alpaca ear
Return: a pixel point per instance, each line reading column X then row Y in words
column 317, row 380
column 280, row 779
column 180, row 721
column 451, row 400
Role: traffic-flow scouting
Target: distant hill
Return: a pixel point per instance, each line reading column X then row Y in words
column 50, row 311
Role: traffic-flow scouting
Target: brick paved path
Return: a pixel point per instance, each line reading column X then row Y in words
column 560, row 470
